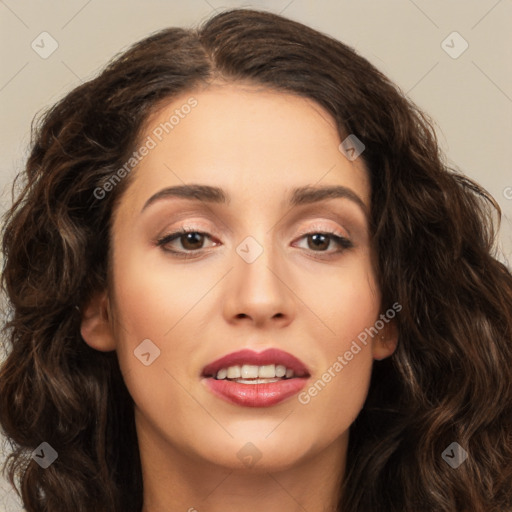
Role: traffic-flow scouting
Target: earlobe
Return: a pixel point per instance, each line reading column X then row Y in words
column 96, row 328
column 385, row 343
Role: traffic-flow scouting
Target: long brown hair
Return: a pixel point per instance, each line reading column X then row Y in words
column 432, row 229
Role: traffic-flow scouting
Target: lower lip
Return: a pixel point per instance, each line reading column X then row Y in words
column 255, row 395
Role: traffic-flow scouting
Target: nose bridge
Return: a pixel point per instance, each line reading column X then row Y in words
column 257, row 288
column 256, row 249
column 256, row 256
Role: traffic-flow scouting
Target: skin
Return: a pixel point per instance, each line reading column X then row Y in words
column 257, row 145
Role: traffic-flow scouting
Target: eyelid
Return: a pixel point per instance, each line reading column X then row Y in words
column 317, row 227
column 188, row 226
column 321, row 228
column 343, row 218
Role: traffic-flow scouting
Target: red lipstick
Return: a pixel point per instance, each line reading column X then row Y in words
column 257, row 394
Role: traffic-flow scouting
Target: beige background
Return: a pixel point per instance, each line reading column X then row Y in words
column 469, row 97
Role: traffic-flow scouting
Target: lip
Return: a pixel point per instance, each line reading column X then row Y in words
column 269, row 356
column 256, row 395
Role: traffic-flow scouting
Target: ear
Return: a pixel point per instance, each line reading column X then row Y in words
column 96, row 326
column 385, row 343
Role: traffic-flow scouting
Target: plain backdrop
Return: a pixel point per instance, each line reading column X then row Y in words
column 467, row 91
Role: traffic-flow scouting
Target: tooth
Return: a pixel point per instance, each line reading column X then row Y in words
column 249, row 371
column 267, row 371
column 280, row 370
column 233, row 372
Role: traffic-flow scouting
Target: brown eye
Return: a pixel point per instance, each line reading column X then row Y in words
column 191, row 241
column 318, row 241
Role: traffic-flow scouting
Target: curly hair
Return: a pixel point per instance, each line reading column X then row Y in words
column 433, row 233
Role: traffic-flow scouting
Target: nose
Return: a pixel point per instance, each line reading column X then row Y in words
column 258, row 290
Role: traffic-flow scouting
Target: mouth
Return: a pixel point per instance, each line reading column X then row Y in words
column 256, row 379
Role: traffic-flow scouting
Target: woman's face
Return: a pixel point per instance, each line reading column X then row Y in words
column 261, row 277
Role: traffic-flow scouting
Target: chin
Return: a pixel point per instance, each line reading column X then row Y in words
column 259, row 455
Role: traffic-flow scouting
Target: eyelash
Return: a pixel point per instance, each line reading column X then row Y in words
column 342, row 242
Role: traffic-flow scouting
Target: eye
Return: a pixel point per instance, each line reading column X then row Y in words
column 190, row 240
column 319, row 241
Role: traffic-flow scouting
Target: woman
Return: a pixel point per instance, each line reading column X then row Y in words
column 242, row 277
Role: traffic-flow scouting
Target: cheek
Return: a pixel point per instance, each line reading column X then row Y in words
column 336, row 394
column 147, row 321
column 349, row 307
column 152, row 345
column 345, row 304
column 171, row 316
column 152, row 294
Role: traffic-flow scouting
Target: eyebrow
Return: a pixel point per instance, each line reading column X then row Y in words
column 299, row 196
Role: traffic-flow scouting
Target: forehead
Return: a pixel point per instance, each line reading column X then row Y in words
column 254, row 142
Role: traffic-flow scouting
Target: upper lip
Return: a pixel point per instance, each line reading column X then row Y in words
column 269, row 356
